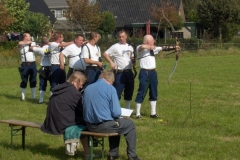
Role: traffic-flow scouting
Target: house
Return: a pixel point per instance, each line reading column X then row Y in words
column 130, row 15
column 58, row 9
column 39, row 6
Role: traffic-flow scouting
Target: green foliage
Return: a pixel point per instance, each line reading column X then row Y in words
column 108, row 25
column 193, row 16
column 218, row 17
column 37, row 24
column 8, row 45
column 85, row 16
column 190, row 10
column 5, row 19
column 18, row 10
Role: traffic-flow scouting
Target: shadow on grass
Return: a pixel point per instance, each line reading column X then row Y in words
column 45, row 149
column 57, row 153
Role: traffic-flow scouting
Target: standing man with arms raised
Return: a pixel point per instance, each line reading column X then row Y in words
column 28, row 69
column 73, row 52
column 92, row 57
column 45, row 70
column 102, row 111
column 122, row 54
column 58, row 75
column 148, row 78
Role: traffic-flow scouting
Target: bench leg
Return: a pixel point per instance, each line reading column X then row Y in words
column 14, row 133
column 101, row 142
column 91, row 147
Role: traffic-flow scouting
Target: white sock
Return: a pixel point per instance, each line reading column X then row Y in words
column 23, row 91
column 41, row 96
column 153, row 107
column 128, row 106
column 33, row 90
column 50, row 93
column 138, row 108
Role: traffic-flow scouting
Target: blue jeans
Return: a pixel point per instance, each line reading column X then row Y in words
column 58, row 76
column 29, row 74
column 148, row 80
column 124, row 82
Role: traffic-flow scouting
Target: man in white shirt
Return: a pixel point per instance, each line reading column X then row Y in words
column 73, row 52
column 45, row 70
column 148, row 76
column 58, row 75
column 92, row 56
column 28, row 69
column 123, row 56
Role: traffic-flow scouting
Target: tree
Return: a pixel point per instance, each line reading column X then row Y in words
column 108, row 24
column 220, row 18
column 18, row 10
column 190, row 10
column 37, row 24
column 5, row 19
column 84, row 15
column 170, row 11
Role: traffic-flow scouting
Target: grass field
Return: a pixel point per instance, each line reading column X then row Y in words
column 199, row 112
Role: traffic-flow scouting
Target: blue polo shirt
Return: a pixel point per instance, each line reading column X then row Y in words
column 100, row 102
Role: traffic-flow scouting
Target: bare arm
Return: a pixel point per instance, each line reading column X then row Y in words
column 21, row 43
column 146, row 46
column 65, row 44
column 107, row 57
column 61, row 59
column 89, row 61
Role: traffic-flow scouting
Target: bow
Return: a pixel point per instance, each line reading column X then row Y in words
column 134, row 61
column 177, row 50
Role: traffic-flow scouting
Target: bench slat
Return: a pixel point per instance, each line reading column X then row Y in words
column 15, row 122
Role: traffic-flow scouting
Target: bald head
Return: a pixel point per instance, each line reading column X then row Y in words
column 148, row 39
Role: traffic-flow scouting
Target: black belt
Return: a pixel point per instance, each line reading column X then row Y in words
column 123, row 70
column 55, row 64
column 98, row 123
column 148, row 69
column 79, row 70
column 28, row 63
column 46, row 67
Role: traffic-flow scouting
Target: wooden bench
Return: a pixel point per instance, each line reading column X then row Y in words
column 14, row 123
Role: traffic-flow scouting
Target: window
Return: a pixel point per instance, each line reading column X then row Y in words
column 59, row 13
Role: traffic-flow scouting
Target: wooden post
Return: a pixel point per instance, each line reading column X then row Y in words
column 147, row 27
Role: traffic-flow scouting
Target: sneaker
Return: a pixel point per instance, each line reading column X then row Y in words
column 139, row 117
column 134, row 158
column 154, row 116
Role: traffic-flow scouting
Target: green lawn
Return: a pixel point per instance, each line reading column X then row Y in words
column 199, row 112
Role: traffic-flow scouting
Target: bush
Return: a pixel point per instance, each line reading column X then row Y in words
column 8, row 45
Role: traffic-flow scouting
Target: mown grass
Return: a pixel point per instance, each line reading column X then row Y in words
column 201, row 124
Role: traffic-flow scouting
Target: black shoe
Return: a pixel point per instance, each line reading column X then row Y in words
column 139, row 117
column 112, row 157
column 154, row 116
column 134, row 158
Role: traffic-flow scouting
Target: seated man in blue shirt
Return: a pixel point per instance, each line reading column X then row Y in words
column 102, row 114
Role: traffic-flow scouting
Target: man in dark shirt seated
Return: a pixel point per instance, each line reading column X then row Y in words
column 102, row 111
